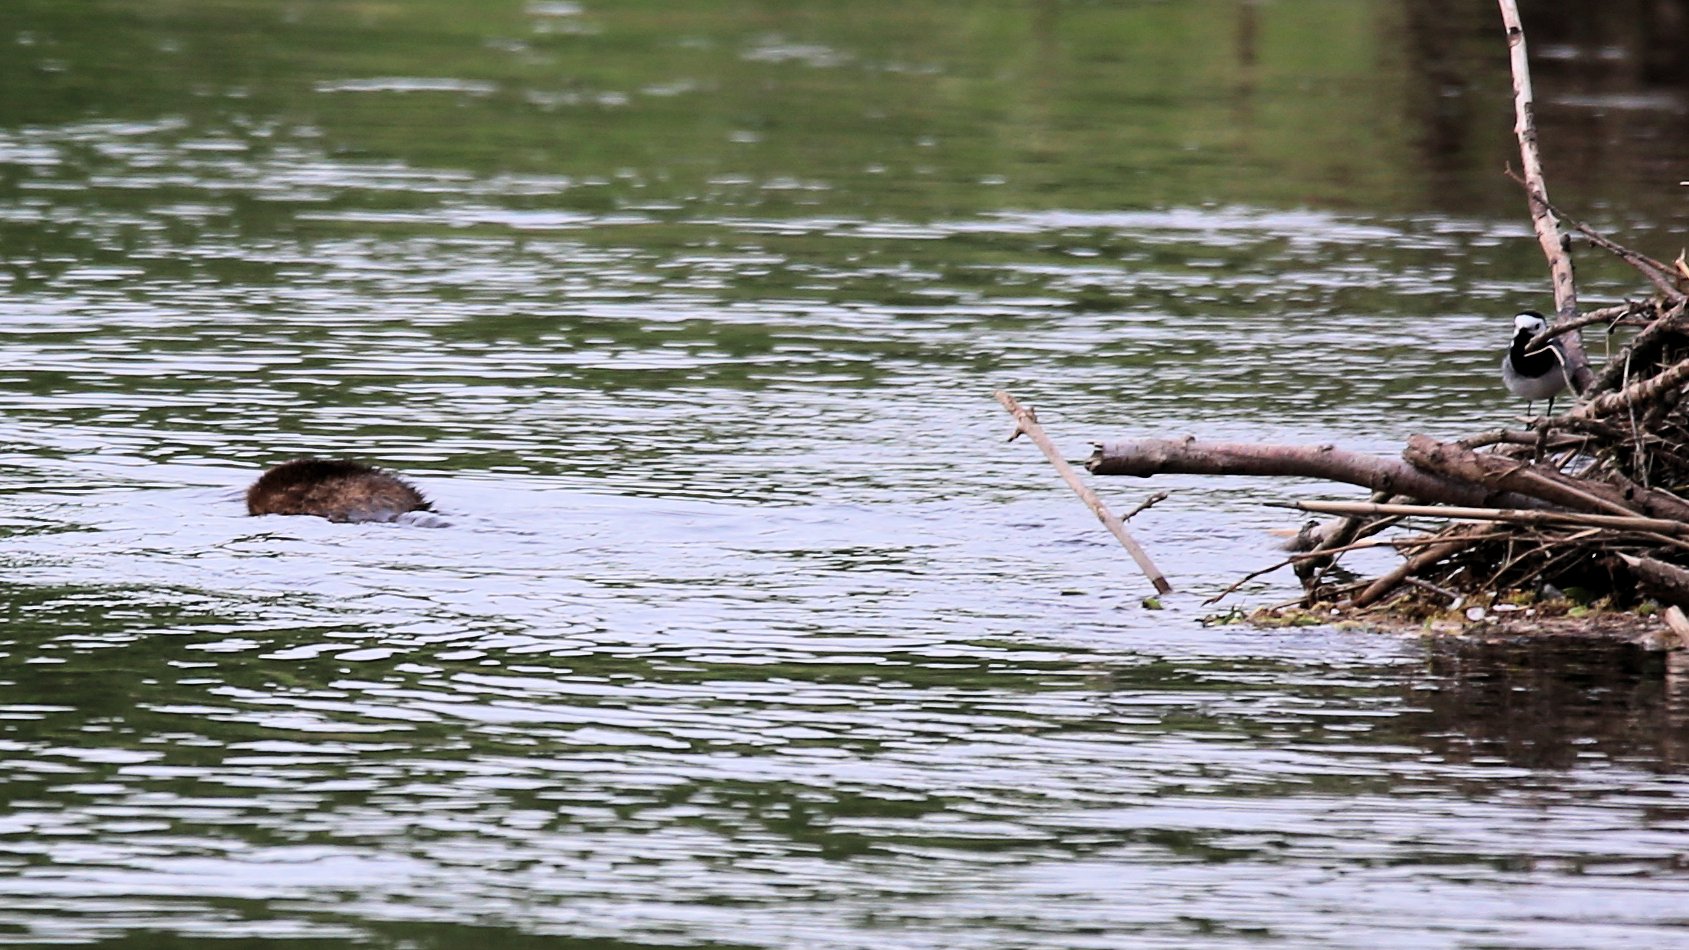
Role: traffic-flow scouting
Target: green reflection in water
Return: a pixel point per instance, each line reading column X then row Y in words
column 922, row 109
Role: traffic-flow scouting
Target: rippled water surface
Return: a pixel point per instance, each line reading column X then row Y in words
column 742, row 625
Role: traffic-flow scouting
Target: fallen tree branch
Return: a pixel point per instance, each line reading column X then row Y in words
column 1145, row 457
column 1612, row 316
column 1650, row 502
column 1521, row 437
column 1443, row 592
column 1026, row 422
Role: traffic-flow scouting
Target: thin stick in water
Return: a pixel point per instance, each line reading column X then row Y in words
column 1026, row 422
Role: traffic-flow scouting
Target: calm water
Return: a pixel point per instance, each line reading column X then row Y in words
column 747, row 628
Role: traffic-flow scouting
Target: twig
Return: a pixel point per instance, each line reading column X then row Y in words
column 1636, row 430
column 1145, row 505
column 1026, row 422
column 1542, row 544
column 1657, row 273
column 1368, row 544
column 1244, row 580
column 1663, row 539
column 1508, row 515
column 1612, row 316
column 1642, row 347
column 1452, row 597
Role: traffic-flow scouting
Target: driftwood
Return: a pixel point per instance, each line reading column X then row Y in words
column 1595, row 498
column 1679, row 624
column 1657, row 273
column 1145, row 457
column 1639, row 393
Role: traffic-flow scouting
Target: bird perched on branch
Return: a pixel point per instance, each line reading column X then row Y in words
column 1533, row 374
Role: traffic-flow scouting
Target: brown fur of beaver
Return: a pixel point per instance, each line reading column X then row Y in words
column 334, row 489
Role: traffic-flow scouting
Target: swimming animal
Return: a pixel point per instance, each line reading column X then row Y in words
column 334, row 489
column 1533, row 375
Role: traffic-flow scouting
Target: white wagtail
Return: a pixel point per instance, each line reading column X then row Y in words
column 1533, row 374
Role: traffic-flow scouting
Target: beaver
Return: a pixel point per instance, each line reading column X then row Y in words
column 334, row 489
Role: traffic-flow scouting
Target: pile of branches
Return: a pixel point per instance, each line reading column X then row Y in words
column 1595, row 498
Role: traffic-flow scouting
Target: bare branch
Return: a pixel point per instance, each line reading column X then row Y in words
column 1144, row 457
column 1028, row 423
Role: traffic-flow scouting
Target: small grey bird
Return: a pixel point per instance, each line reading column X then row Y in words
column 1533, row 375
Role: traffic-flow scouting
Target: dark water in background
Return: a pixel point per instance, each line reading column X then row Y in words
column 748, row 629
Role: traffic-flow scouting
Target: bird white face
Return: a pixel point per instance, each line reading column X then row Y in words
column 1529, row 321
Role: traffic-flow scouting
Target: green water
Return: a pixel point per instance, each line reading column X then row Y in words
column 746, row 627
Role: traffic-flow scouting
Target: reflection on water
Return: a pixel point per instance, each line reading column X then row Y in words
column 1550, row 705
column 747, row 629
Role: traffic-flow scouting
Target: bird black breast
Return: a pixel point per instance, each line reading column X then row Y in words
column 1535, row 364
